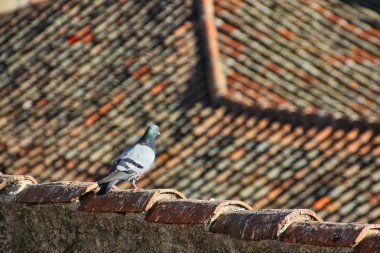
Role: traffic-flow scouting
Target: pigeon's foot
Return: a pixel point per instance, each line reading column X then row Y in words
column 134, row 183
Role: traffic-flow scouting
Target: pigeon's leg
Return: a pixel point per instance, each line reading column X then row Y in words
column 134, row 184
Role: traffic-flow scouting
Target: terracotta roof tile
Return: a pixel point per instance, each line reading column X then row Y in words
column 126, row 200
column 328, row 234
column 67, row 110
column 369, row 244
column 191, row 211
column 284, row 227
column 57, row 192
column 260, row 224
column 7, row 180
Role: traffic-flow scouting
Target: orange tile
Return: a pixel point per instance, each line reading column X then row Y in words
column 183, row 28
column 238, row 154
column 141, row 71
column 92, row 119
column 105, row 108
column 88, row 37
column 321, row 203
column 159, row 87
column 286, row 33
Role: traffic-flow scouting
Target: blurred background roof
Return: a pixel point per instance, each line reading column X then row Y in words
column 297, row 127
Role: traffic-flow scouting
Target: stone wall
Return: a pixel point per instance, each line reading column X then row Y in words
column 70, row 217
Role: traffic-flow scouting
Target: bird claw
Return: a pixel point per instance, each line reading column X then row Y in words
column 134, row 183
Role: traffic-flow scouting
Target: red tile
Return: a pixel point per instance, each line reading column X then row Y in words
column 92, row 119
column 218, row 9
column 238, row 154
column 7, row 180
column 319, row 8
column 119, row 97
column 130, row 61
column 333, row 18
column 350, row 27
column 183, row 28
column 72, row 39
column 321, row 203
column 326, row 233
column 105, row 108
column 76, row 131
column 88, row 37
column 274, row 67
column 227, row 27
column 210, row 30
column 235, row 44
column 159, row 87
column 286, row 33
column 370, row 244
column 42, row 102
column 70, row 165
column 191, row 211
column 375, row 199
column 83, row 31
column 141, row 71
column 21, row 170
column 127, row 200
column 57, row 192
column 260, row 224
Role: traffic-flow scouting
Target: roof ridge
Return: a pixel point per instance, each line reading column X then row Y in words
column 217, row 78
column 234, row 218
column 300, row 118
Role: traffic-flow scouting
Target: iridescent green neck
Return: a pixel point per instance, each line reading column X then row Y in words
column 148, row 138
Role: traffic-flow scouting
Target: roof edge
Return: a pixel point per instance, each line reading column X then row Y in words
column 299, row 227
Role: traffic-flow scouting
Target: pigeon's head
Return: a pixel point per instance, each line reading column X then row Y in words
column 153, row 131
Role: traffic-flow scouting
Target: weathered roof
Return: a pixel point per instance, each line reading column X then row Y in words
column 294, row 230
column 81, row 80
column 317, row 57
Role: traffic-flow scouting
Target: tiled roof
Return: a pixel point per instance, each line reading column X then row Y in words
column 233, row 218
column 81, row 80
column 317, row 57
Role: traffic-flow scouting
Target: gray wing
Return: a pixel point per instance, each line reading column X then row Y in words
column 133, row 162
column 123, row 154
column 117, row 175
column 139, row 158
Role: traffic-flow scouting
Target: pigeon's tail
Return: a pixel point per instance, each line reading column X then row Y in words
column 105, row 187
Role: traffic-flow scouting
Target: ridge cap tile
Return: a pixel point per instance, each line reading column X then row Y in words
column 331, row 234
column 135, row 201
column 191, row 211
column 7, row 180
column 232, row 217
column 260, row 224
column 55, row 192
column 370, row 244
column 217, row 80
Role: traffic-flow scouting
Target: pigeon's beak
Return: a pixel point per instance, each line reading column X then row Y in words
column 158, row 133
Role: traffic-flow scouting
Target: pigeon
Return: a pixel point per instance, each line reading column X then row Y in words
column 132, row 162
